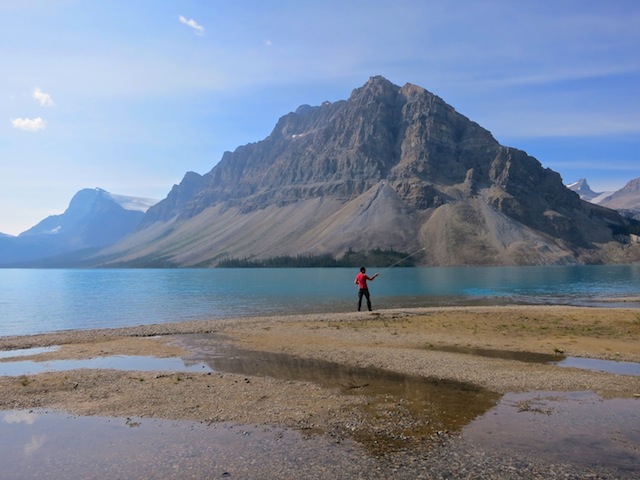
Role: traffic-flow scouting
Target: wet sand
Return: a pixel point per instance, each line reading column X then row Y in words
column 411, row 342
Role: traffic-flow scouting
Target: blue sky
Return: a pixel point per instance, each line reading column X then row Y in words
column 130, row 95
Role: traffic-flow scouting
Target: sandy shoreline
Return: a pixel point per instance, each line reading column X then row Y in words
column 406, row 341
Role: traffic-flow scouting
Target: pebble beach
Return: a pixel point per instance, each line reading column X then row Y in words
column 363, row 429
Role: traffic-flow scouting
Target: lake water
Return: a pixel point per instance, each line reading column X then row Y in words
column 38, row 301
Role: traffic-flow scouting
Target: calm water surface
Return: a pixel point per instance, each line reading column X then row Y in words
column 37, row 301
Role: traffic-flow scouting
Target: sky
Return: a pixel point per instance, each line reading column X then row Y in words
column 129, row 95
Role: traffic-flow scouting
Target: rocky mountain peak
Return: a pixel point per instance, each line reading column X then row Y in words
column 440, row 171
column 582, row 188
column 374, row 89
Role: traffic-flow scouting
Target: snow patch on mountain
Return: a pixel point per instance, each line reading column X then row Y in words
column 133, row 203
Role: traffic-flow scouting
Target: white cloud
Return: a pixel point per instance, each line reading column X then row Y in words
column 44, row 98
column 193, row 24
column 36, row 443
column 20, row 417
column 29, row 124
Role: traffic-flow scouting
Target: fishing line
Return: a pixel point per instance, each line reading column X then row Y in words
column 403, row 259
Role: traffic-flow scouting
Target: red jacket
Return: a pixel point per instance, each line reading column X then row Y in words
column 361, row 280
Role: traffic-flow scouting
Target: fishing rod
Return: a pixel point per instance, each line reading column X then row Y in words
column 403, row 259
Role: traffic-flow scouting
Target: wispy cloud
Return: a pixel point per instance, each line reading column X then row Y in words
column 29, row 124
column 556, row 75
column 43, row 98
column 538, row 124
column 193, row 24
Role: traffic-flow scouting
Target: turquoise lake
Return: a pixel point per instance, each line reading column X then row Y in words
column 37, row 301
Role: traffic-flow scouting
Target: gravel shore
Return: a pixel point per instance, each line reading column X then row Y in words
column 277, row 382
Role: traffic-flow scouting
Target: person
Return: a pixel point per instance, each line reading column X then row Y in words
column 363, row 289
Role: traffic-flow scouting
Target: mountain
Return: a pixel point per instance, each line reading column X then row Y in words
column 95, row 218
column 582, row 188
column 627, row 198
column 390, row 168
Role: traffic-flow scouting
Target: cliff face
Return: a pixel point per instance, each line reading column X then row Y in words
column 390, row 167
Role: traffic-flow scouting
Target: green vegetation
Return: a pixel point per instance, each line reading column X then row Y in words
column 284, row 261
column 370, row 258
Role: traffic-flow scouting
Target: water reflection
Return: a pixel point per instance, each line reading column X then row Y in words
column 25, row 352
column 36, row 444
column 527, row 357
column 597, row 365
column 20, row 417
column 573, row 427
column 401, row 409
column 114, row 362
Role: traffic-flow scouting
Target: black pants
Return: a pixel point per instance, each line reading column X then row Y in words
column 365, row 292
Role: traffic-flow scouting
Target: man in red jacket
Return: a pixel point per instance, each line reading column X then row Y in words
column 363, row 289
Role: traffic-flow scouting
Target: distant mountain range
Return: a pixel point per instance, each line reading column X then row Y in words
column 389, row 169
column 626, row 200
column 95, row 218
